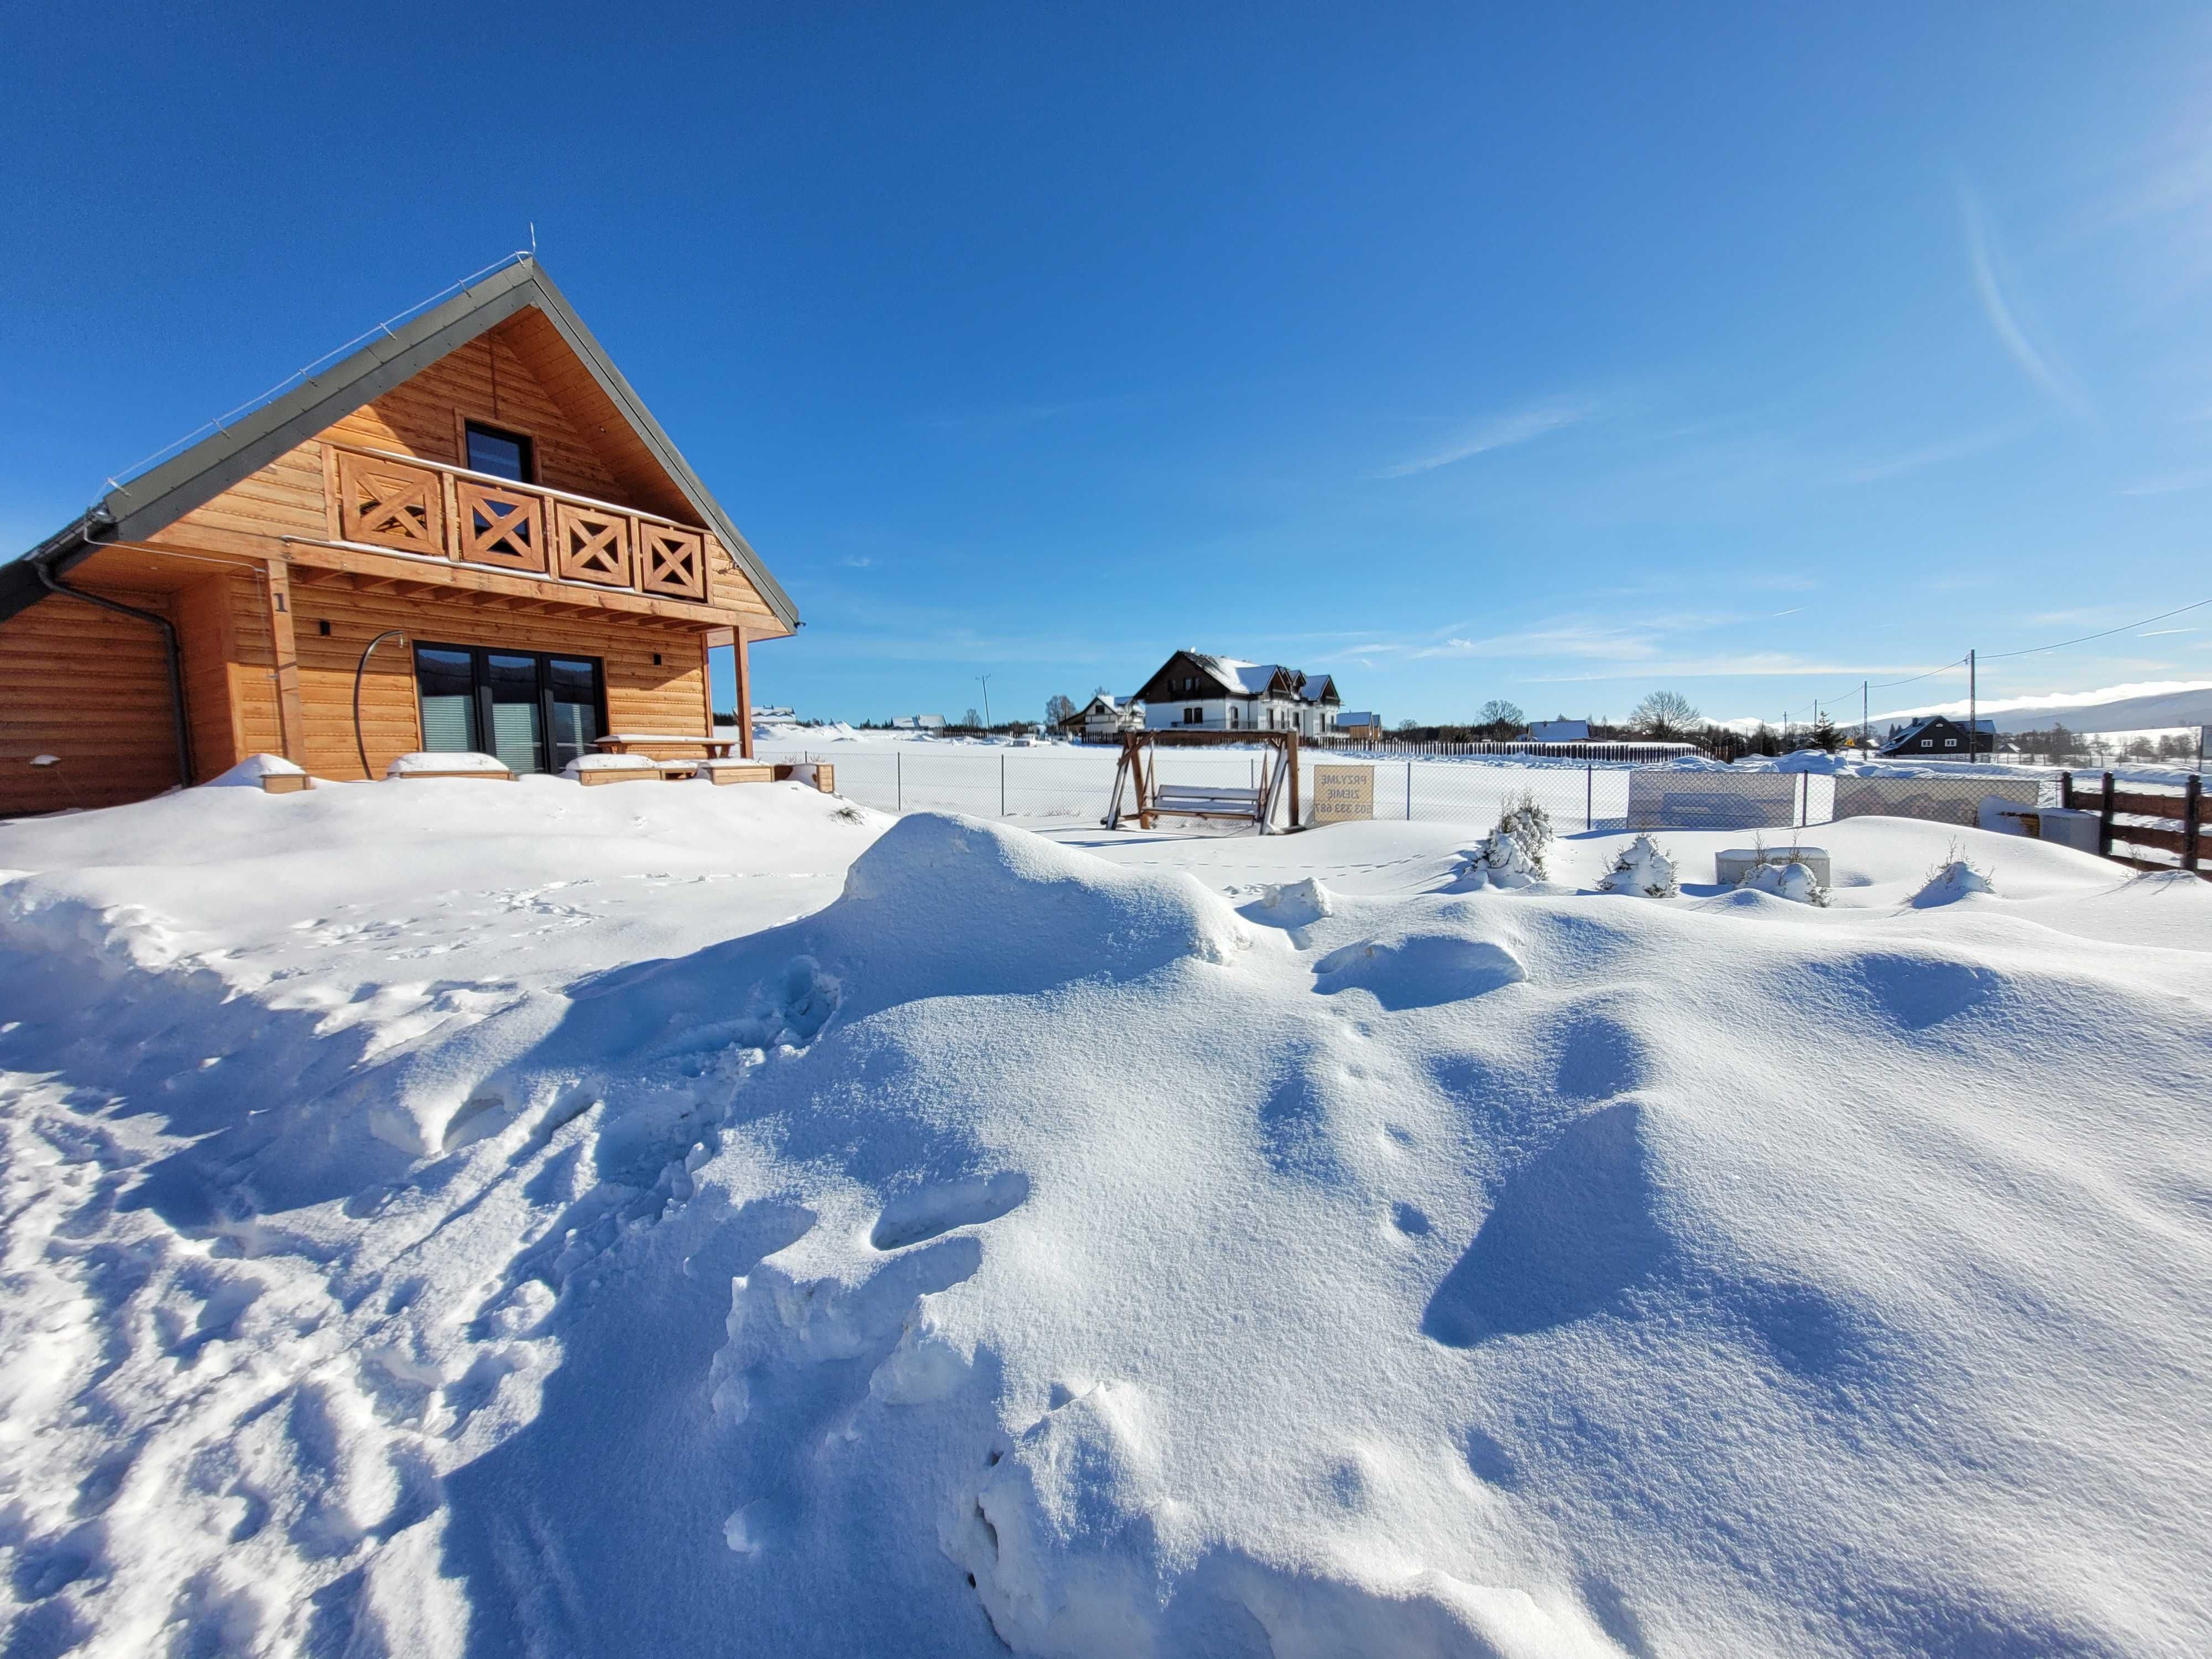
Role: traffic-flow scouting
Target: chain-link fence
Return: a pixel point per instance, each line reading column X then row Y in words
column 1073, row 785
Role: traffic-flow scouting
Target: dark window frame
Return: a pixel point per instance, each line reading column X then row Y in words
column 525, row 445
column 480, row 689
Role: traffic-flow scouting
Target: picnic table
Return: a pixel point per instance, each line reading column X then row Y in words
column 622, row 743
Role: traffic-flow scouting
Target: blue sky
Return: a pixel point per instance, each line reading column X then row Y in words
column 1553, row 353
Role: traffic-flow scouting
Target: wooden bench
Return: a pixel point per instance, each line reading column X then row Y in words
column 736, row 771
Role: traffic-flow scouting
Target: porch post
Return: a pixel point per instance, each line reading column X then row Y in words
column 291, row 722
column 745, row 693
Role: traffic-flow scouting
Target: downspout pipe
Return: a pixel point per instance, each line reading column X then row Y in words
column 182, row 731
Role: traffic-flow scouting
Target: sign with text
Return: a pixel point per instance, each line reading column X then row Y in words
column 1342, row 794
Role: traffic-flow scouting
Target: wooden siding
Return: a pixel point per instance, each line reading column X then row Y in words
column 670, row 697
column 112, row 728
column 206, row 642
column 484, row 380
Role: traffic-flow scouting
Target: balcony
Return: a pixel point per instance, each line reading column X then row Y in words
column 402, row 504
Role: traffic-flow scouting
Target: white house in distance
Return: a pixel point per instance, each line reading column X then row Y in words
column 1104, row 719
column 1196, row 692
column 1561, row 730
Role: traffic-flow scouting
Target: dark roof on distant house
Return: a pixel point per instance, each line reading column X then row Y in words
column 1930, row 724
column 148, row 503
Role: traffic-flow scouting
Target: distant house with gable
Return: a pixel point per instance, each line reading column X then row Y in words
column 1105, row 718
column 1362, row 725
column 1938, row 736
column 1197, row 692
column 1561, row 730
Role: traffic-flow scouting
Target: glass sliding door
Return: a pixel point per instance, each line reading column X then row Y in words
column 447, row 680
column 518, row 713
column 571, row 687
column 535, row 713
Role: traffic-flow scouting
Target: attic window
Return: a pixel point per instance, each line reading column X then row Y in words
column 501, row 454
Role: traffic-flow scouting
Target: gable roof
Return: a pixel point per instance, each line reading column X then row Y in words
column 148, row 503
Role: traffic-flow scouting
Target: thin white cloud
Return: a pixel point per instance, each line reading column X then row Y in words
column 1938, row 453
column 1499, row 432
column 2038, row 363
column 2172, row 484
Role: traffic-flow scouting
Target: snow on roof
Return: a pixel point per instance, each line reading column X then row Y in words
column 1253, row 679
column 1356, row 717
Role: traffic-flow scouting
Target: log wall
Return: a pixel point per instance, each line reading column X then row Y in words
column 641, row 696
column 110, row 732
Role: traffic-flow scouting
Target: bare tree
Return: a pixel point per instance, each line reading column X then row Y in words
column 1500, row 719
column 1666, row 715
column 1058, row 710
column 972, row 721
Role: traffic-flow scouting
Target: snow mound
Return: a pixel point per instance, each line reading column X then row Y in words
column 1296, row 903
column 600, row 1227
column 1955, row 879
column 947, row 906
column 249, row 772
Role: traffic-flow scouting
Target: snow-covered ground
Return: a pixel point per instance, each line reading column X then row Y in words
column 474, row 1218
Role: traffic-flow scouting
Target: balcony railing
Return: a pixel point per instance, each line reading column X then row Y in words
column 430, row 509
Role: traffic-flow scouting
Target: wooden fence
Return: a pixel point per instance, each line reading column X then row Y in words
column 2143, row 817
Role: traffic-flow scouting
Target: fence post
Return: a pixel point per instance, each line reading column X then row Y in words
column 898, row 779
column 1409, row 792
column 2066, row 791
column 1590, row 797
column 2192, row 802
column 2104, row 820
column 1002, row 785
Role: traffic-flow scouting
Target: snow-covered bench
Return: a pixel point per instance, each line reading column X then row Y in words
column 1193, row 801
column 593, row 770
column 447, row 765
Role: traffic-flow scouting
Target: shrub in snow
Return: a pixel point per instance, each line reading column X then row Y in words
column 1953, row 879
column 1527, row 822
column 1501, row 861
column 1640, row 868
column 1793, row 881
column 1512, row 854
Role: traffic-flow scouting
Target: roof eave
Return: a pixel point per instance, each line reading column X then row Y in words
column 156, row 499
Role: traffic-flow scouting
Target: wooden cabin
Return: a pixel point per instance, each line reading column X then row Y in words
column 478, row 493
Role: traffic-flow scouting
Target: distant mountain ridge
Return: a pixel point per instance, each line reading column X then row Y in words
column 2117, row 708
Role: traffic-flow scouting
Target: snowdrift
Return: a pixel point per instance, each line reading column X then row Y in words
column 1022, row 1250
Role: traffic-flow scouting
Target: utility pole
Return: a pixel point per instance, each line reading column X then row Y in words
column 1974, row 727
column 1866, row 743
column 985, row 680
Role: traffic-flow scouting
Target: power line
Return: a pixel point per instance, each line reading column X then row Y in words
column 2107, row 634
column 2027, row 651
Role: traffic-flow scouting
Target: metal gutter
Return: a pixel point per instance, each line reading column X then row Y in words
column 179, row 727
